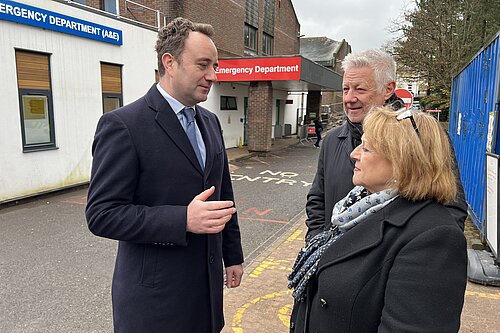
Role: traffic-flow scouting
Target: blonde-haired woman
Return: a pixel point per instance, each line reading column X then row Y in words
column 393, row 260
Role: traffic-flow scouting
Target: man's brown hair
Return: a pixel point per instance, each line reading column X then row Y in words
column 172, row 37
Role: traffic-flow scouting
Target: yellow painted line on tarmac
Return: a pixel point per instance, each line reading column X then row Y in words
column 483, row 295
column 236, row 323
column 270, row 263
column 294, row 236
column 284, row 314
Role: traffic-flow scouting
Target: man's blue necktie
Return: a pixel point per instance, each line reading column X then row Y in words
column 191, row 133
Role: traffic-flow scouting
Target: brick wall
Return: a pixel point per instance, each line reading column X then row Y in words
column 287, row 29
column 260, row 104
column 332, row 98
column 94, row 4
column 344, row 50
column 141, row 14
column 226, row 16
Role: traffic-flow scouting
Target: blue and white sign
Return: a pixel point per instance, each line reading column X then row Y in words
column 20, row 13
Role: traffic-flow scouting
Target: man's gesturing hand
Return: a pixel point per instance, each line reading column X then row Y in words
column 208, row 217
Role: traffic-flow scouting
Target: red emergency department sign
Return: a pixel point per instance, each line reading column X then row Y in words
column 406, row 96
column 259, row 69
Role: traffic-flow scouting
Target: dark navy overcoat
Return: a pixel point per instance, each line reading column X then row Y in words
column 144, row 174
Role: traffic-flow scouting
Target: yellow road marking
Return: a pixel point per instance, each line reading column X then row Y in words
column 483, row 295
column 270, row 263
column 236, row 323
column 294, row 236
column 284, row 314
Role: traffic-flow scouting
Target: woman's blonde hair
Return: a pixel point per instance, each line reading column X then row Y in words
column 422, row 163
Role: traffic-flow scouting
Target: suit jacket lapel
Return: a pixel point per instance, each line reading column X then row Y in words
column 168, row 121
column 346, row 141
column 370, row 233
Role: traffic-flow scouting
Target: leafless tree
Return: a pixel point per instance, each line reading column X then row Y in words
column 438, row 37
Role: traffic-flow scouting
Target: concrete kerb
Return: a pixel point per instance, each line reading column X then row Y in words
column 262, row 303
column 269, row 246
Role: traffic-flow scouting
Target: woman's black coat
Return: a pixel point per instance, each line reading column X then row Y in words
column 404, row 269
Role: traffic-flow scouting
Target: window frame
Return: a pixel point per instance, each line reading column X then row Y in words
column 226, row 105
column 104, row 6
column 109, row 94
column 248, row 32
column 267, row 43
column 47, row 92
column 51, row 144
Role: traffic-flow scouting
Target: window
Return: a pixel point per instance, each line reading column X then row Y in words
column 35, row 100
column 111, row 83
column 250, row 37
column 228, row 103
column 83, row 2
column 109, row 6
column 267, row 44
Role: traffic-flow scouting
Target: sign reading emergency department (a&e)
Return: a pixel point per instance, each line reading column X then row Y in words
column 259, row 69
column 37, row 17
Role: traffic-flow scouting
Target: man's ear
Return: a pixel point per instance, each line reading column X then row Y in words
column 168, row 61
column 389, row 89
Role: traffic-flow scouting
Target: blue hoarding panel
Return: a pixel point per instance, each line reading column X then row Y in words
column 37, row 17
column 474, row 95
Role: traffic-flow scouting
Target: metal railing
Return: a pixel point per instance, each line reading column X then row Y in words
column 160, row 18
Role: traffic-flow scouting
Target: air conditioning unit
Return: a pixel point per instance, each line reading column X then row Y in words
column 288, row 130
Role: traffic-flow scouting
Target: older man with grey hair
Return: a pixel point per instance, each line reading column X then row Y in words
column 369, row 80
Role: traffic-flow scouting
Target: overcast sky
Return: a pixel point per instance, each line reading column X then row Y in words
column 362, row 23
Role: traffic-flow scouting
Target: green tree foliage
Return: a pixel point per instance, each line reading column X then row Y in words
column 439, row 37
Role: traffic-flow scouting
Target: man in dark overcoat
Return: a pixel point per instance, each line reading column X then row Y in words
column 160, row 185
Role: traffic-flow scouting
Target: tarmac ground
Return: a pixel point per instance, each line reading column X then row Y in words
column 263, row 302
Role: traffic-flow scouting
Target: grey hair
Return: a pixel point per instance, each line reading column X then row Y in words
column 381, row 62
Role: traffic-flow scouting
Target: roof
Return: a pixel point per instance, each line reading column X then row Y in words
column 319, row 49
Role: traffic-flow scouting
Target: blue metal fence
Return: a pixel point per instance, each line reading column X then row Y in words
column 475, row 93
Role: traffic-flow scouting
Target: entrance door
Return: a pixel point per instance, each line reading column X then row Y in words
column 245, row 119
